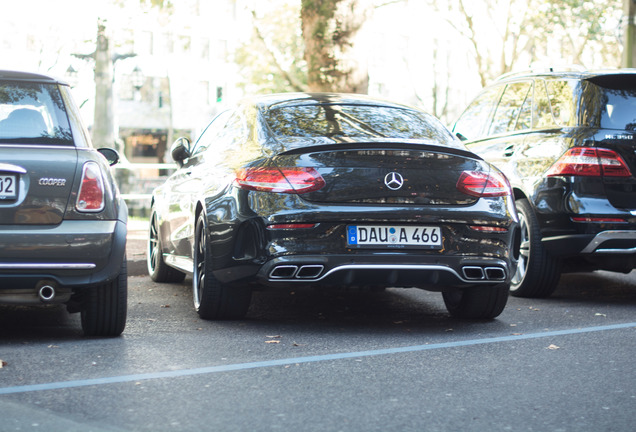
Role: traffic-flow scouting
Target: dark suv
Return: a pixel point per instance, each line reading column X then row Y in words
column 62, row 220
column 567, row 142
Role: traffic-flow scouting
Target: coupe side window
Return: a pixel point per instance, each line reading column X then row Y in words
column 471, row 124
column 512, row 109
column 211, row 132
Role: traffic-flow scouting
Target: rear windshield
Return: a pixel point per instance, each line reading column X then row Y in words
column 33, row 113
column 610, row 102
column 355, row 121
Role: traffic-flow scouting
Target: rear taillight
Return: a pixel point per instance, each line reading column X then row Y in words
column 291, row 226
column 296, row 180
column 482, row 184
column 598, row 219
column 91, row 194
column 590, row 162
column 487, row 228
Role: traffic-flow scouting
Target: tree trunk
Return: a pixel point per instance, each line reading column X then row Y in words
column 329, row 28
column 103, row 132
column 629, row 33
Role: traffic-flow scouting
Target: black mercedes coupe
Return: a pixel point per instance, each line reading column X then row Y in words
column 332, row 191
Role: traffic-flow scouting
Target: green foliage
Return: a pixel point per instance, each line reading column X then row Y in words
column 586, row 30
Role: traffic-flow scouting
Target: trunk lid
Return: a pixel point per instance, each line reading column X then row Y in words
column 610, row 109
column 36, row 183
column 390, row 174
column 620, row 190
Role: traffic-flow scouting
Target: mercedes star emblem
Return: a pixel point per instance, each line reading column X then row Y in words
column 393, row 180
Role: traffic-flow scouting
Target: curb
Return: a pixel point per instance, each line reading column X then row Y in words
column 136, row 244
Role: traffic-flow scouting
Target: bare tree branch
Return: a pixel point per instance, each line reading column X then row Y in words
column 297, row 86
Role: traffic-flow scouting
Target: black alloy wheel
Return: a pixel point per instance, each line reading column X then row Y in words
column 214, row 300
column 537, row 272
column 158, row 270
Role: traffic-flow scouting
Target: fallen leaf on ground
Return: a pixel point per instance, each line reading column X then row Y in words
column 553, row 347
column 2, row 363
column 272, row 341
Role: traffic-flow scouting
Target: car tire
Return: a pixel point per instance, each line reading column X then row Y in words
column 537, row 273
column 104, row 308
column 214, row 300
column 477, row 302
column 158, row 270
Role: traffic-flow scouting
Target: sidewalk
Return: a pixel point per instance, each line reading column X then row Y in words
column 136, row 246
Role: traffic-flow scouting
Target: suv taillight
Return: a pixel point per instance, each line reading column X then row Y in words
column 296, row 180
column 481, row 184
column 91, row 194
column 590, row 162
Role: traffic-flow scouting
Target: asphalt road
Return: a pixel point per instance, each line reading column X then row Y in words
column 312, row 361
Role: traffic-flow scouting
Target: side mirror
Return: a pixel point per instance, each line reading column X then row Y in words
column 180, row 150
column 461, row 137
column 110, row 154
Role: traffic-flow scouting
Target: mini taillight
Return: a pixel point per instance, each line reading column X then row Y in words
column 295, row 180
column 91, row 193
column 590, row 162
column 482, row 184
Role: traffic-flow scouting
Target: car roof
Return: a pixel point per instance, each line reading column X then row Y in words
column 277, row 100
column 576, row 73
column 12, row 75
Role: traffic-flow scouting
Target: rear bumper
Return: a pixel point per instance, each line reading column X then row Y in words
column 614, row 242
column 72, row 254
column 382, row 270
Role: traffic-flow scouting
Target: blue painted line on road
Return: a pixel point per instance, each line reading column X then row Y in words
column 298, row 360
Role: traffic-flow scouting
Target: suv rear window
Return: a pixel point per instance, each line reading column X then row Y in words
column 610, row 102
column 33, row 113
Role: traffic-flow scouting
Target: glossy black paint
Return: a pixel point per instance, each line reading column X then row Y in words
column 247, row 242
column 526, row 155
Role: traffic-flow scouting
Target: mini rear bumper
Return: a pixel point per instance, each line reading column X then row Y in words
column 73, row 254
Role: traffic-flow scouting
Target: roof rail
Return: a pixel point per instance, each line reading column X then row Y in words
column 543, row 69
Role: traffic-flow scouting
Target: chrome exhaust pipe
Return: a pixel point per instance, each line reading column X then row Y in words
column 46, row 293
column 495, row 273
column 283, row 272
column 310, row 271
column 473, row 272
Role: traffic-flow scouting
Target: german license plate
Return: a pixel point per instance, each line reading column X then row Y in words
column 8, row 186
column 429, row 237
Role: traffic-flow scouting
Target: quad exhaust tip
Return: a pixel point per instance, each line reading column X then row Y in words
column 309, row 271
column 475, row 273
column 314, row 271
